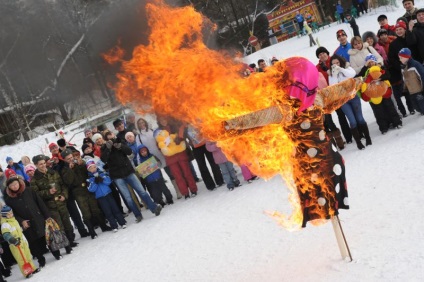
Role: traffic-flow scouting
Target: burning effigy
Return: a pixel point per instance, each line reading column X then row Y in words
column 272, row 120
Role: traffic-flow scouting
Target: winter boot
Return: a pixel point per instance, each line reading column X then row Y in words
column 357, row 137
column 177, row 190
column 41, row 261
column 68, row 249
column 366, row 132
column 338, row 138
column 83, row 233
column 91, row 231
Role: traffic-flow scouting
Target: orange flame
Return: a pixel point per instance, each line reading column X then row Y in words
column 177, row 75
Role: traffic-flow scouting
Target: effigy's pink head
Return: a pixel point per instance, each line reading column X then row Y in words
column 304, row 81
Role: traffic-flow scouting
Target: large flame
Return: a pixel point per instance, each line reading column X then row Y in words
column 177, row 75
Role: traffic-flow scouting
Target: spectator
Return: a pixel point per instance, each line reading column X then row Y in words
column 17, row 167
column 130, row 123
column 309, row 33
column 340, row 11
column 413, row 75
column 30, row 170
column 384, row 41
column 262, row 65
column 299, row 19
column 359, row 52
column 99, row 183
column 146, row 137
column 362, row 8
column 323, row 67
column 410, row 10
column 340, row 71
column 30, row 216
column 395, row 69
column 351, row 20
column 344, row 46
column 115, row 155
column 48, row 184
column 120, row 127
column 416, row 36
column 372, row 41
column 384, row 24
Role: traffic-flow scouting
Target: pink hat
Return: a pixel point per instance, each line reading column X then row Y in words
column 304, row 77
column 29, row 167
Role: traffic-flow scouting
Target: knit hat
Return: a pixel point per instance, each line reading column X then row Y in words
column 341, row 32
column 87, row 140
column 370, row 57
column 382, row 31
column 274, row 59
column 96, row 137
column 381, row 17
column 29, row 167
column 90, row 163
column 52, row 146
column 65, row 153
column 9, row 159
column 321, row 50
column 129, row 133
column 5, row 210
column 38, row 158
column 9, row 173
column 61, row 142
column 403, row 1
column 83, row 147
column 401, row 24
column 405, row 53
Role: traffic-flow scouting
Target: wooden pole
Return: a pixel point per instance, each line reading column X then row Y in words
column 341, row 239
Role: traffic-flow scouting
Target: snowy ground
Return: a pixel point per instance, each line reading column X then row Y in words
column 225, row 236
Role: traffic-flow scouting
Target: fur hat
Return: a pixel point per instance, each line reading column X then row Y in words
column 321, row 50
column 405, row 53
column 38, row 158
column 61, row 142
column 65, row 153
column 8, row 159
column 96, row 137
column 9, row 173
column 13, row 178
column 5, row 210
column 368, row 34
column 29, row 167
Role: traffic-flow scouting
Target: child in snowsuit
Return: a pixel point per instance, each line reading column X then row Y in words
column 12, row 233
column 98, row 183
column 413, row 75
column 382, row 107
column 155, row 180
column 225, row 165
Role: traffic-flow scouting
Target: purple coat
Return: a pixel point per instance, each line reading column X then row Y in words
column 218, row 155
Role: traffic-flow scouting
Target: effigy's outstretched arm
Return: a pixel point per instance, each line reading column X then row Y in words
column 333, row 97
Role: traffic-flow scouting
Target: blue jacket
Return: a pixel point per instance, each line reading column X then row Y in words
column 342, row 51
column 339, row 9
column 157, row 174
column 299, row 18
column 19, row 169
column 99, row 189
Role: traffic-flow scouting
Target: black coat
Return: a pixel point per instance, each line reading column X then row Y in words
column 416, row 39
column 29, row 206
column 393, row 57
column 117, row 160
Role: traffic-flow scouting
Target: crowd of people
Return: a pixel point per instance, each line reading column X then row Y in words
column 87, row 189
column 393, row 55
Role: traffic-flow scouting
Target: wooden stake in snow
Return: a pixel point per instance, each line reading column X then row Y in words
column 341, row 239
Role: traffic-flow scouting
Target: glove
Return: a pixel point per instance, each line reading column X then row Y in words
column 177, row 140
column 109, row 144
column 335, row 69
column 14, row 241
column 98, row 179
column 117, row 145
